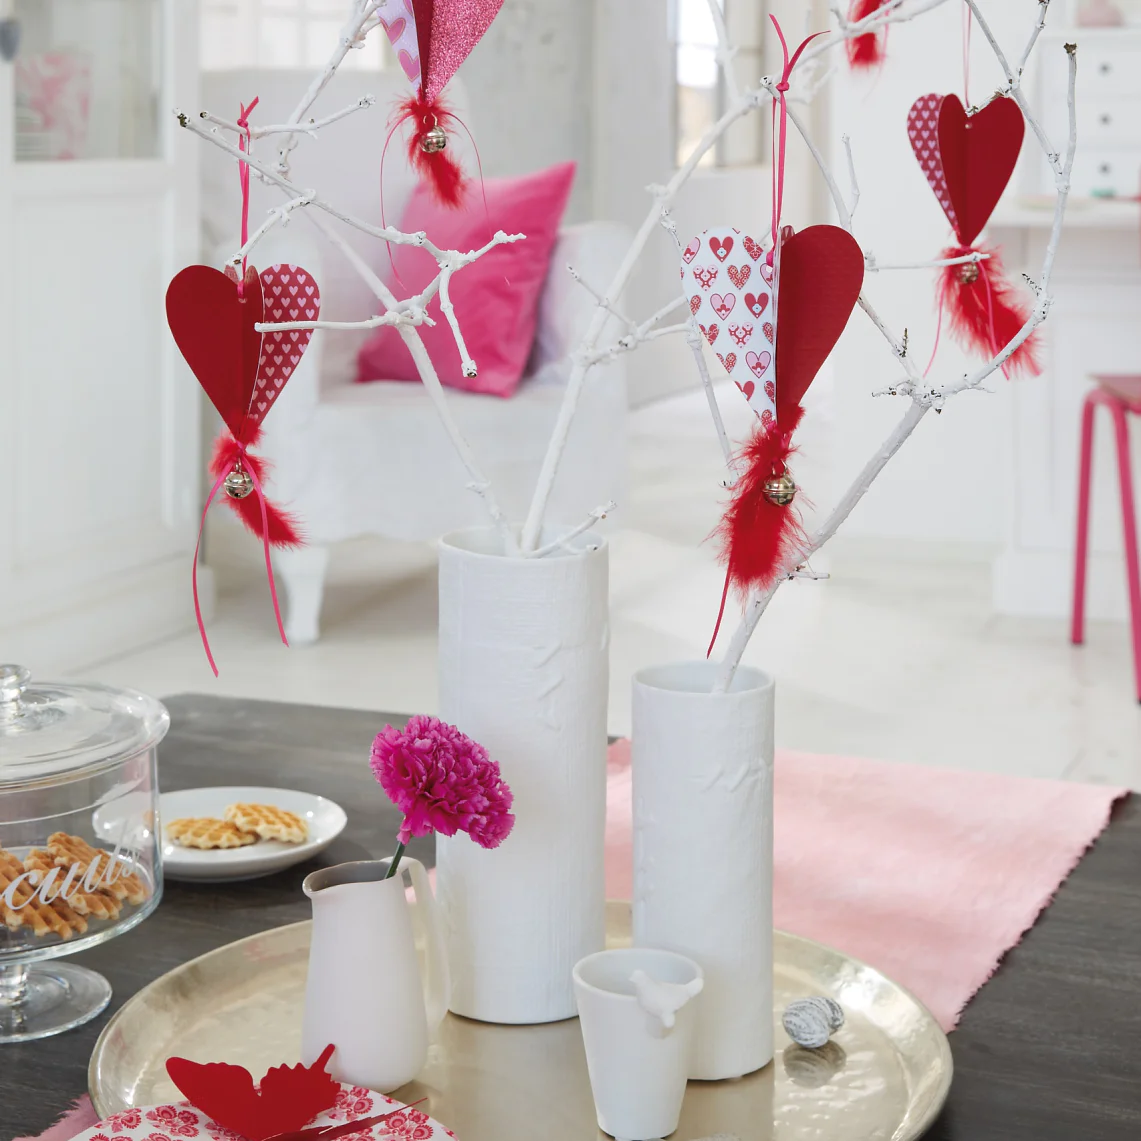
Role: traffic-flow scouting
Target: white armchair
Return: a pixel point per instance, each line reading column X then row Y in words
column 357, row 459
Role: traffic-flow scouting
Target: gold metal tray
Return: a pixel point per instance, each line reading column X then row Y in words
column 883, row 1077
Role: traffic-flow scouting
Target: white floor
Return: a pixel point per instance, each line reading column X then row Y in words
column 897, row 656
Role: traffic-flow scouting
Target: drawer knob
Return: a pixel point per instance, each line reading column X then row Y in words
column 1104, row 68
column 1104, row 168
column 1105, row 118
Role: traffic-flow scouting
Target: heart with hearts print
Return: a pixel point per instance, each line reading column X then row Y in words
column 821, row 275
column 289, row 294
column 214, row 328
column 728, row 319
column 974, row 158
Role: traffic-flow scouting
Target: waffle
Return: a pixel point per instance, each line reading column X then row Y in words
column 207, row 832
column 71, row 850
column 93, row 904
column 29, row 910
column 269, row 822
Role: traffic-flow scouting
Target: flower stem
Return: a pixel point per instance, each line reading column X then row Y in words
column 395, row 865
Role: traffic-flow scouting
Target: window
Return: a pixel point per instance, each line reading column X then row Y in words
column 281, row 33
column 700, row 90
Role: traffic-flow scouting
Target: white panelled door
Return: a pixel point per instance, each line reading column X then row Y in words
column 98, row 415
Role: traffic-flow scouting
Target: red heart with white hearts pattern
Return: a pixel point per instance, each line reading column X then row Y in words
column 296, row 298
column 923, row 131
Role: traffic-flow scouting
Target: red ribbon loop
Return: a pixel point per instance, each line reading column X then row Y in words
column 782, row 88
column 245, row 142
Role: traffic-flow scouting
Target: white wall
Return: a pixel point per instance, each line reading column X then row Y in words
column 531, row 83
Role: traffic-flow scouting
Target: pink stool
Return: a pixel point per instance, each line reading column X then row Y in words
column 1121, row 395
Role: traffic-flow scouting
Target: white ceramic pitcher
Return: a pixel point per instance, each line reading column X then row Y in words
column 366, row 991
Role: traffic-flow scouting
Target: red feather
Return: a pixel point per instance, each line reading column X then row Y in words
column 290, row 1096
column 868, row 50
column 284, row 529
column 758, row 537
column 439, row 169
column 986, row 314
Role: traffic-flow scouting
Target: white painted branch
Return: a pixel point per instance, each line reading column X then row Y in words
column 389, row 317
column 308, row 128
column 726, row 52
column 873, row 266
column 1014, row 86
column 894, row 12
column 696, row 342
column 855, row 184
column 279, row 215
column 478, row 482
column 602, row 301
column 358, row 24
column 1043, row 9
column 598, row 514
column 758, row 603
column 663, row 197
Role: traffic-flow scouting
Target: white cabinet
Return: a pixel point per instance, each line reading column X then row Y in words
column 98, row 416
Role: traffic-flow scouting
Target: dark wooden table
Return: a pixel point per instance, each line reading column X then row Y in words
column 1049, row 1050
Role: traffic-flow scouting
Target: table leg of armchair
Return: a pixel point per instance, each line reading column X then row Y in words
column 302, row 572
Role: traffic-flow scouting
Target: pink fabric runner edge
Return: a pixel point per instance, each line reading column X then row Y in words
column 929, row 875
column 74, row 1121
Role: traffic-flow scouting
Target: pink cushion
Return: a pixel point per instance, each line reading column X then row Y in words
column 496, row 298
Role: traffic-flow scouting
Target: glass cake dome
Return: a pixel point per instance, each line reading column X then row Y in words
column 79, row 859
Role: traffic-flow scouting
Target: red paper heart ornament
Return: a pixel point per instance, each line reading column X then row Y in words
column 288, row 1099
column 289, row 294
column 979, row 153
column 821, row 275
column 214, row 329
column 969, row 159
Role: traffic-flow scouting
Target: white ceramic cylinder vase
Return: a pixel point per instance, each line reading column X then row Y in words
column 702, row 774
column 523, row 670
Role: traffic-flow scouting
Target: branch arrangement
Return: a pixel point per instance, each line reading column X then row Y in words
column 408, row 314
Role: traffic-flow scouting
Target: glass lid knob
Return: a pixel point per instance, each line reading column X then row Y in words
column 13, row 682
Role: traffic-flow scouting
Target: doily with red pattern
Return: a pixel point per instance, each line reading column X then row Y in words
column 182, row 1122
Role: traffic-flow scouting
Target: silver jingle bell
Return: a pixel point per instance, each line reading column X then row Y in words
column 434, row 140
column 239, row 483
column 780, row 489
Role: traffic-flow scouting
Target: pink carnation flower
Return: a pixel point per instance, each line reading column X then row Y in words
column 442, row 781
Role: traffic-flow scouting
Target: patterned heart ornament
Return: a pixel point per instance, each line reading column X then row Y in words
column 289, row 294
column 729, row 296
column 967, row 159
column 399, row 22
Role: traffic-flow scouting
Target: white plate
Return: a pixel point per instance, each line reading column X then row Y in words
column 326, row 822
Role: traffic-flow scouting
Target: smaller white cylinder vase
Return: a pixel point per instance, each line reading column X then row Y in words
column 524, row 671
column 703, row 849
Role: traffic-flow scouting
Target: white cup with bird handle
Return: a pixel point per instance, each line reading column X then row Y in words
column 636, row 1013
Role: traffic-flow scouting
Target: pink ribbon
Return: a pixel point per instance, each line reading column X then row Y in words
column 239, row 452
column 779, row 140
column 245, row 142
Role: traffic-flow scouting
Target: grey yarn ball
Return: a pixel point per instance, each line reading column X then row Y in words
column 809, row 1022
